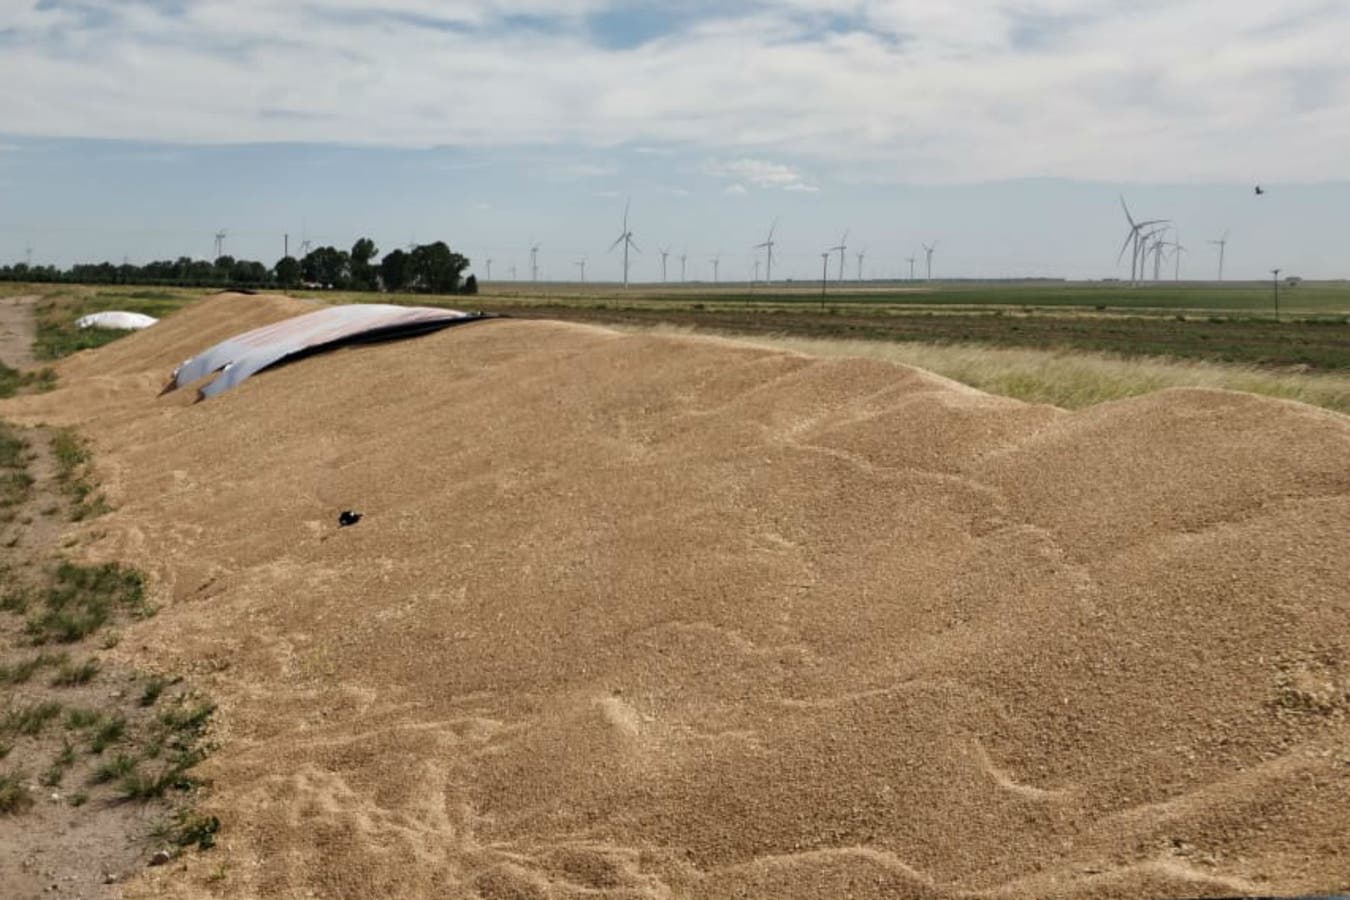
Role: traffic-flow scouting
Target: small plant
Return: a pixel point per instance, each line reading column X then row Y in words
column 20, row 673
column 109, row 732
column 15, row 602
column 14, row 794
column 64, row 760
column 83, row 598
column 29, row 720
column 189, row 721
column 120, row 766
column 153, row 688
column 199, row 830
column 80, row 798
column 71, row 675
column 79, row 718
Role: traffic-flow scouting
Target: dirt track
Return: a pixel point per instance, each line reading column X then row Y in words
column 635, row 616
column 16, row 331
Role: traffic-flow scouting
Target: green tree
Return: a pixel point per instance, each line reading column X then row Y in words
column 436, row 268
column 287, row 271
column 327, row 266
column 395, row 271
column 364, row 275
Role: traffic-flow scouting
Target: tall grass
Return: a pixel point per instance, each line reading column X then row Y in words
column 1067, row 379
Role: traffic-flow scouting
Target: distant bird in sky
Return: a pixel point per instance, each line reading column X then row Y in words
column 1260, row 190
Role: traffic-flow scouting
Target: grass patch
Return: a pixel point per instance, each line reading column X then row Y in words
column 153, row 688
column 120, row 766
column 14, row 794
column 79, row 719
column 107, row 733
column 22, row 672
column 82, row 599
column 12, row 380
column 29, row 720
column 64, row 760
column 72, row 674
column 72, row 457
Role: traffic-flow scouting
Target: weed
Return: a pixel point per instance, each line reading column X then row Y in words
column 109, row 732
column 72, row 675
column 20, row 673
column 80, row 798
column 5, row 747
column 120, row 766
column 14, row 794
column 64, row 760
column 78, row 719
column 82, row 599
column 15, row 602
column 153, row 688
column 29, row 720
column 188, row 721
column 193, row 829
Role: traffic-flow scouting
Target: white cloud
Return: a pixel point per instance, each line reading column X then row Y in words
column 759, row 173
column 736, row 188
column 911, row 90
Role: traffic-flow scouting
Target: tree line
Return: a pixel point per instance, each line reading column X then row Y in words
column 427, row 269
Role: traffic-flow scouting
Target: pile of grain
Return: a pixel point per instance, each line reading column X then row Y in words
column 655, row 617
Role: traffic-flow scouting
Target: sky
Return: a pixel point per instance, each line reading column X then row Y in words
column 1004, row 132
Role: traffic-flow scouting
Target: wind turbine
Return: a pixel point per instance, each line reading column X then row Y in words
column 911, row 261
column 861, row 255
column 1177, row 249
column 1136, row 260
column 768, row 246
column 489, row 268
column 843, row 246
column 684, row 258
column 928, row 250
column 582, row 264
column 1222, row 244
column 665, row 252
column 220, row 243
column 716, row 264
column 534, row 262
column 626, row 238
column 756, row 281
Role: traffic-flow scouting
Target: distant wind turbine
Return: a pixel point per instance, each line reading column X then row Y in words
column 665, row 252
column 534, row 262
column 911, row 260
column 1133, row 238
column 626, row 238
column 1177, row 249
column 841, row 249
column 824, row 274
column 1222, row 244
column 220, row 243
column 489, row 268
column 716, row 264
column 684, row 258
column 582, row 264
column 861, row 255
column 928, row 251
column 768, row 260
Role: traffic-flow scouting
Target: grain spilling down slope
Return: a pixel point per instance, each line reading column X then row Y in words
column 639, row 616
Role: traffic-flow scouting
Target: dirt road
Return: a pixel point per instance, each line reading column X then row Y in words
column 16, row 331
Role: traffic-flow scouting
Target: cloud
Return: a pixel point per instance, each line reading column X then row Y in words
column 736, row 188
column 759, row 173
column 880, row 89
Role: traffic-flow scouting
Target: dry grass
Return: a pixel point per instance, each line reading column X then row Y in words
column 1067, row 379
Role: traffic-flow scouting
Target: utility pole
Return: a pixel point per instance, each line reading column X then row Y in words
column 1276, row 273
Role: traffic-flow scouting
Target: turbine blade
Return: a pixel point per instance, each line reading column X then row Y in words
column 617, row 241
column 1129, row 217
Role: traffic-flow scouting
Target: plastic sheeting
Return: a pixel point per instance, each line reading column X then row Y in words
column 251, row 352
column 117, row 320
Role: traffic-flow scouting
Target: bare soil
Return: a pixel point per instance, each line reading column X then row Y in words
column 634, row 616
column 16, row 331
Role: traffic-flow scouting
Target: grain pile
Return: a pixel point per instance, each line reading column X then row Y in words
column 644, row 617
